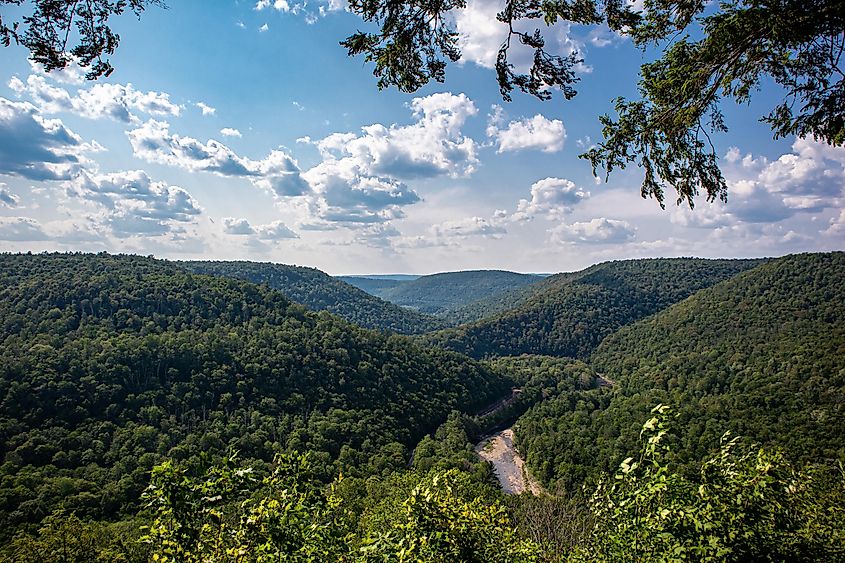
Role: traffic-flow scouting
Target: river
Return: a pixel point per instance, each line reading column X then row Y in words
column 508, row 465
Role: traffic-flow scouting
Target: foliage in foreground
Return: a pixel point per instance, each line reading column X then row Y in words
column 746, row 504
column 226, row 515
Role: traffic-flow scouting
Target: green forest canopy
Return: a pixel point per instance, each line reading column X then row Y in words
column 570, row 314
column 110, row 364
column 761, row 354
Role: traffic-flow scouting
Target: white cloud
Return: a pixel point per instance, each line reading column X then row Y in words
column 837, row 225
column 21, row 229
column 115, row 101
column 596, row 231
column 230, row 132
column 206, row 109
column 7, row 198
column 481, row 35
column 471, row 226
column 602, row 36
column 36, row 148
column 276, row 230
column 134, row 204
column 278, row 172
column 153, row 141
column 550, row 198
column 71, row 74
column 278, row 5
column 538, row 132
column 360, row 180
column 350, row 194
column 233, row 226
column 434, row 145
column 810, row 179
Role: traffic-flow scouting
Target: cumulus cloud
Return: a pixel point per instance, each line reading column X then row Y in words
column 135, row 204
column 234, row 226
column 115, row 101
column 538, row 133
column 154, row 142
column 71, row 74
column 347, row 194
column 453, row 233
column 206, row 109
column 837, row 225
column 21, row 229
column 361, row 179
column 602, row 36
column 550, row 198
column 434, row 145
column 469, row 227
column 7, row 198
column 810, row 179
column 276, row 230
column 596, row 231
column 278, row 5
column 230, row 132
column 481, row 35
column 36, row 148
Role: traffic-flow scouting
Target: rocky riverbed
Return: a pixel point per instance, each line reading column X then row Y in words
column 508, row 465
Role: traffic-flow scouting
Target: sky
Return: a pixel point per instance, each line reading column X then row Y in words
column 238, row 130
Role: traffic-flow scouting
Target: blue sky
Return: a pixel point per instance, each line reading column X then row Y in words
column 241, row 130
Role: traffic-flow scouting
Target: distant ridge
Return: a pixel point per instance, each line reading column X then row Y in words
column 319, row 291
column 441, row 294
column 569, row 314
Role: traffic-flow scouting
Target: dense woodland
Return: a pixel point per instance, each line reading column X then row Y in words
column 442, row 294
column 761, row 355
column 110, row 364
column 318, row 291
column 149, row 412
column 573, row 313
column 373, row 286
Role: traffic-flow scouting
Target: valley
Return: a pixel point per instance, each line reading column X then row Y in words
column 122, row 377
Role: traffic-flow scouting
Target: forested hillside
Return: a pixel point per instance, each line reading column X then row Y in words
column 761, row 355
column 496, row 304
column 576, row 311
column 109, row 364
column 440, row 294
column 374, row 286
column 318, row 291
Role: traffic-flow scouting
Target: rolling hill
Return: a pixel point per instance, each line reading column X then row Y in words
column 761, row 354
column 109, row 364
column 440, row 294
column 570, row 314
column 319, row 291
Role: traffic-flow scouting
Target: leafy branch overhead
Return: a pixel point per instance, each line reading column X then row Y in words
column 60, row 31
column 708, row 53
